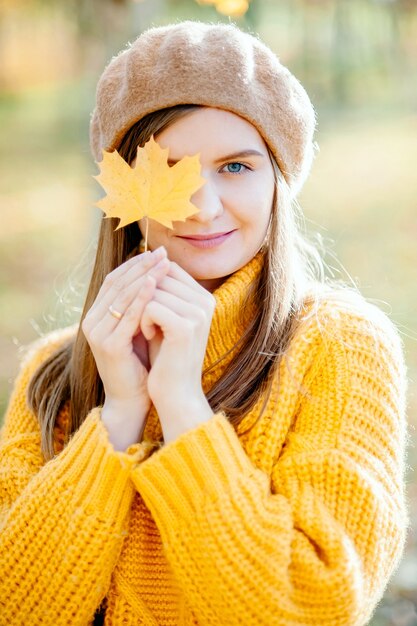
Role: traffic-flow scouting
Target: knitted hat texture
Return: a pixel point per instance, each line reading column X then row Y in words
column 215, row 65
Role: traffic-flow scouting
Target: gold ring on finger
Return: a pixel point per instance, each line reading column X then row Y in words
column 115, row 313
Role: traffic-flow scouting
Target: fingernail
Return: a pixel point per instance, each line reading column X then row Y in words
column 146, row 258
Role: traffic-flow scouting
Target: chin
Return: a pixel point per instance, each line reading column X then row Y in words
column 215, row 270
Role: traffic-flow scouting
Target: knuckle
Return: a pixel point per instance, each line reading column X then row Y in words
column 188, row 327
column 85, row 325
column 109, row 280
column 199, row 317
column 126, row 280
column 156, row 272
column 113, row 281
column 93, row 337
column 131, row 313
column 198, row 314
column 123, row 301
column 108, row 346
column 149, row 307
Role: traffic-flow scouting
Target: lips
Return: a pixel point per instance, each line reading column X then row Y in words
column 205, row 236
column 207, row 240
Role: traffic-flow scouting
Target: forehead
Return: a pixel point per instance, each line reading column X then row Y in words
column 212, row 130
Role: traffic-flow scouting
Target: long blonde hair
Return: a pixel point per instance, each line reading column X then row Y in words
column 292, row 272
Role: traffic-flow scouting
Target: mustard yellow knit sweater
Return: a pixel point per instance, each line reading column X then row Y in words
column 299, row 521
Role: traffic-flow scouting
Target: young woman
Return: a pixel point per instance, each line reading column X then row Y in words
column 222, row 438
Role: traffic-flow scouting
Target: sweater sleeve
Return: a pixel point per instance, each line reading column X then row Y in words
column 317, row 541
column 62, row 522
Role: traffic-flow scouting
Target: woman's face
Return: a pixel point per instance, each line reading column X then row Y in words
column 235, row 203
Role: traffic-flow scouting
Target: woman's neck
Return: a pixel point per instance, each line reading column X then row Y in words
column 211, row 284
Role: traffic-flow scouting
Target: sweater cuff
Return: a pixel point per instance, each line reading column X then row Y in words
column 200, row 464
column 99, row 475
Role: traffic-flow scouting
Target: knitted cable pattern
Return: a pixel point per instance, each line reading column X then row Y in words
column 299, row 518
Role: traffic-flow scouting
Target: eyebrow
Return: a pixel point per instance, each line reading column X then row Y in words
column 229, row 157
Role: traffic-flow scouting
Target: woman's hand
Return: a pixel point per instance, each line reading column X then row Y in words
column 119, row 349
column 176, row 323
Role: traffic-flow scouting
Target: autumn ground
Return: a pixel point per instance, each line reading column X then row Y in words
column 361, row 197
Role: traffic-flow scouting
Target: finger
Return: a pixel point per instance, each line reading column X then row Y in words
column 120, row 299
column 156, row 314
column 116, row 333
column 135, row 263
column 125, row 273
column 125, row 297
column 123, row 301
column 182, row 290
column 188, row 310
column 180, row 274
column 154, row 345
column 130, row 322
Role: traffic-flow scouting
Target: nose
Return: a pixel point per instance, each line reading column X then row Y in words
column 208, row 200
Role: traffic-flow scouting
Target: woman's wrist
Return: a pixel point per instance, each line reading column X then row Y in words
column 182, row 415
column 124, row 421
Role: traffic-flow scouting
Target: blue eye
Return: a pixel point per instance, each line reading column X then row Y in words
column 235, row 168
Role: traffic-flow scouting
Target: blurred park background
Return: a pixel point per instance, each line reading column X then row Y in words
column 358, row 61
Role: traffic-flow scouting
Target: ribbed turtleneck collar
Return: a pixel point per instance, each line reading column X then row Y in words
column 230, row 319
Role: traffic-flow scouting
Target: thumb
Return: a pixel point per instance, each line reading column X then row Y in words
column 154, row 345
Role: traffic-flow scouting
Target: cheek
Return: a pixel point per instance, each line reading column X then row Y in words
column 156, row 233
column 244, row 199
column 266, row 198
column 254, row 204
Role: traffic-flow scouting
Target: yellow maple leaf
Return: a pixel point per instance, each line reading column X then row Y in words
column 151, row 188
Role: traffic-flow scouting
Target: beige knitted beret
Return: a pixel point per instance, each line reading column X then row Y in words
column 215, row 65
